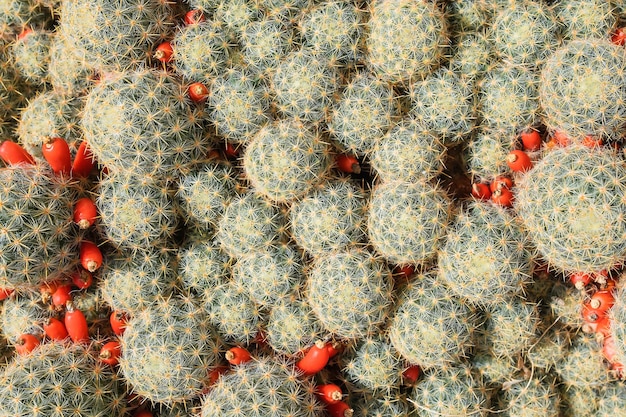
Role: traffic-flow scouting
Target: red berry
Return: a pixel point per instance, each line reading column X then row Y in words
column 329, row 393
column 55, row 329
column 62, row 295
column 500, row 182
column 503, row 197
column 580, row 279
column 411, row 374
column 334, row 348
column 198, row 92
column 603, row 326
column 608, row 349
column 531, row 140
column 315, row 359
column 481, row 191
column 83, row 161
column 143, row 413
column 76, row 324
column 601, row 301
column 110, row 352
column 519, row 161
column 85, row 212
column 619, row 36
column 194, row 16
column 560, row 138
column 348, row 164
column 592, row 141
column 215, row 374
column 57, row 152
column 26, row 343
column 118, row 320
column 231, row 151
column 163, row 52
column 82, row 279
column 90, row 256
column 26, row 30
column 5, row 293
column 13, row 154
column 237, row 355
column 339, row 409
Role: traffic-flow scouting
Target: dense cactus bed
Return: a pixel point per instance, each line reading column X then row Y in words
column 312, row 208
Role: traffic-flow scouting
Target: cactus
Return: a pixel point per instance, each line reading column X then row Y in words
column 264, row 44
column 16, row 14
column 550, row 349
column 611, row 399
column 39, row 240
column 536, row 397
column 203, row 265
column 67, row 73
column 450, row 391
column 130, row 282
column 406, row 39
column 32, row 55
column 374, row 365
column 270, row 274
column 565, row 305
column 525, row 33
column 617, row 315
column 204, row 193
column 386, row 405
column 292, row 326
column 286, row 10
column 407, row 221
column 443, row 103
column 363, row 114
column 487, row 257
column 580, row 401
column 239, row 105
column 140, row 122
column 408, row 152
column 493, row 369
column 431, row 327
column 509, row 102
column 259, row 388
column 350, row 292
column 470, row 15
column 334, row 30
column 24, row 312
column 585, row 18
column 582, row 88
column 583, row 364
column 284, row 160
column 50, row 114
column 329, row 218
column 303, row 85
column 583, row 191
column 169, row 349
column 486, row 154
column 61, row 379
column 473, row 55
column 249, row 223
column 201, row 51
column 103, row 36
column 136, row 212
column 235, row 15
column 232, row 311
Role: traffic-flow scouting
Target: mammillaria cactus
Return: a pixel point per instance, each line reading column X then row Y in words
column 486, row 153
column 25, row 312
column 169, row 348
column 583, row 85
column 264, row 44
column 406, row 39
column 259, row 388
column 292, row 326
column 473, row 55
column 585, row 18
column 487, row 256
column 573, row 203
column 374, row 365
column 203, row 264
column 31, row 53
column 350, row 292
column 61, row 379
column 531, row 398
column 582, row 365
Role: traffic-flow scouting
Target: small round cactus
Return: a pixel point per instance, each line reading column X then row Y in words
column 537, row 397
column 68, row 74
column 407, row 221
column 32, row 55
column 473, row 55
column 374, row 365
column 284, row 160
column 350, row 292
column 264, row 45
column 487, row 152
column 585, row 18
column 406, row 39
column 329, row 218
column 292, row 326
column 583, row 85
column 573, row 203
column 203, row 265
column 25, row 312
column 583, row 364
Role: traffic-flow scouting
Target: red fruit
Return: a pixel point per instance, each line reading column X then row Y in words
column 164, row 52
column 110, row 352
column 26, row 343
column 531, row 140
column 198, row 92
column 85, row 212
column 608, row 349
column 603, row 326
column 118, row 320
column 580, row 279
column 411, row 374
column 348, row 164
column 83, row 161
column 55, row 329
column 237, row 355
column 62, row 295
column 231, row 151
column 315, row 359
column 334, row 348
column 560, row 138
column 57, row 152
column 518, row 161
column 47, row 289
column 503, row 197
column 481, row 191
column 215, row 374
column 13, row 154
column 24, row 33
column 194, row 16
column 5, row 293
column 500, row 182
column 601, row 301
column 82, row 279
column 90, row 256
column 339, row 409
column 619, row 36
column 76, row 324
column 329, row 393
column 592, row 142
